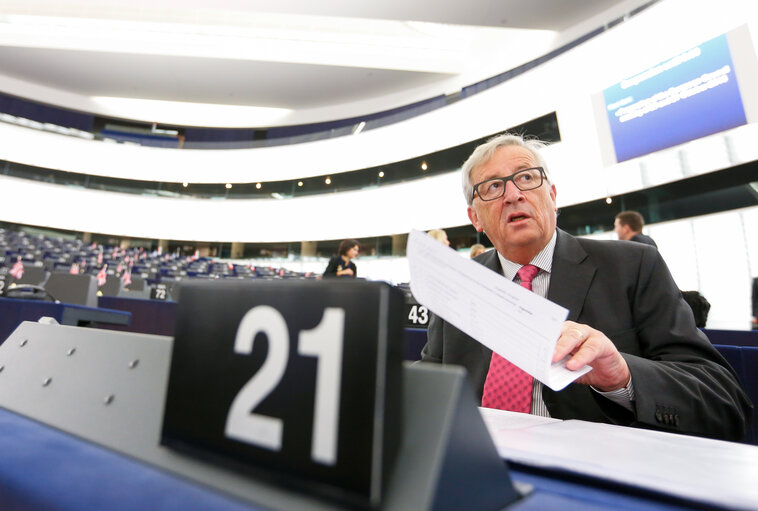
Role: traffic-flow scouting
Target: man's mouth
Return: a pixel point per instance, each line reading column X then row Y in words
column 516, row 218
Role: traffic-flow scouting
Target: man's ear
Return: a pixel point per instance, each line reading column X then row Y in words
column 553, row 194
column 474, row 219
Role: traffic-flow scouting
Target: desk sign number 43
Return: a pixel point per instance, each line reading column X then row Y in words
column 295, row 378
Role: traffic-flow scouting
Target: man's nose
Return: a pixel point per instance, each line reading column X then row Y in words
column 512, row 193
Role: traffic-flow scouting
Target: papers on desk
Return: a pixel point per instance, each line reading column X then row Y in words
column 693, row 468
column 519, row 325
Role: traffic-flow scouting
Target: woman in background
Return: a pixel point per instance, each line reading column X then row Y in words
column 476, row 249
column 439, row 235
column 342, row 264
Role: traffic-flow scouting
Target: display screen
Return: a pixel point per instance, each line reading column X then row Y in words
column 688, row 96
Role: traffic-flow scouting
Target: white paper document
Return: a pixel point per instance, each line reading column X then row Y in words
column 519, row 325
column 693, row 468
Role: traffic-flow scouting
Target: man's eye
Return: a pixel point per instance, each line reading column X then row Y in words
column 494, row 186
column 525, row 178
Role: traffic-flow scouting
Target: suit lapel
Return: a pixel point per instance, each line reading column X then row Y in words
column 571, row 275
column 491, row 261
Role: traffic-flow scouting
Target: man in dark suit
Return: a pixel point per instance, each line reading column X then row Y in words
column 628, row 227
column 651, row 367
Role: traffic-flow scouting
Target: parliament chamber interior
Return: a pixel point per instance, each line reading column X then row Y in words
column 178, row 179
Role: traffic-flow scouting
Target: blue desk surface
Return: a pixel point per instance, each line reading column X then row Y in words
column 733, row 337
column 744, row 360
column 42, row 468
column 13, row 311
column 148, row 316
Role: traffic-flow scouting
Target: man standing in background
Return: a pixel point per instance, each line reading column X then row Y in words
column 628, row 227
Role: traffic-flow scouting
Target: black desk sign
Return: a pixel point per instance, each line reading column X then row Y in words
column 159, row 292
column 416, row 315
column 297, row 382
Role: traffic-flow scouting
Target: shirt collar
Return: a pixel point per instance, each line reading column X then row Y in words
column 543, row 260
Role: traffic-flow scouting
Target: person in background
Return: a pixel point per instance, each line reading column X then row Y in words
column 476, row 249
column 628, row 227
column 439, row 235
column 699, row 305
column 342, row 265
column 651, row 366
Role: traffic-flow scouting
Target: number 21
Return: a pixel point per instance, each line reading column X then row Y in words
column 323, row 342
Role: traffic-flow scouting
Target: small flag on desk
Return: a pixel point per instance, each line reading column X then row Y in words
column 18, row 269
column 101, row 276
column 126, row 278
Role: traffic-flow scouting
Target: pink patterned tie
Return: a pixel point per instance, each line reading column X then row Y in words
column 507, row 387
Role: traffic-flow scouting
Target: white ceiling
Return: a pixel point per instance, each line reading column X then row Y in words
column 319, row 60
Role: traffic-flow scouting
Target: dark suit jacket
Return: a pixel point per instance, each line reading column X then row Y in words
column 625, row 290
column 642, row 238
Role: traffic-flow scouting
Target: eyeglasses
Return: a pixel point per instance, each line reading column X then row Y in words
column 527, row 179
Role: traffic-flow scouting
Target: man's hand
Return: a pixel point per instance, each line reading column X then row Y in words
column 588, row 346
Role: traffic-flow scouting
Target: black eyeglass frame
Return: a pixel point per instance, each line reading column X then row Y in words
column 475, row 191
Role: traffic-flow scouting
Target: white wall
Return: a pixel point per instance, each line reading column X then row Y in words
column 566, row 85
column 392, row 209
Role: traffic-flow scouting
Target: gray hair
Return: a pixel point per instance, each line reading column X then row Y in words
column 483, row 153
